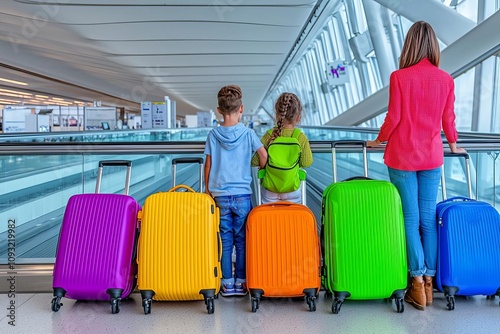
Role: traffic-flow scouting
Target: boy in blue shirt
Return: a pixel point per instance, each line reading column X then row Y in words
column 229, row 149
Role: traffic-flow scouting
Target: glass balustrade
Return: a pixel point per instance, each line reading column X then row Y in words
column 34, row 187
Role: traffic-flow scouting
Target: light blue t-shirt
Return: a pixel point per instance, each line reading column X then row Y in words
column 231, row 149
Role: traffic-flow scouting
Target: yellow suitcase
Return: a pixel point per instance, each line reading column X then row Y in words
column 179, row 246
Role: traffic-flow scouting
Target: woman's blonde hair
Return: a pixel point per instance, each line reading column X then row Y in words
column 420, row 42
column 288, row 108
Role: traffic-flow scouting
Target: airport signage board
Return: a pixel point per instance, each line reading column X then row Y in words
column 159, row 114
column 14, row 119
column 146, row 115
column 337, row 73
column 96, row 118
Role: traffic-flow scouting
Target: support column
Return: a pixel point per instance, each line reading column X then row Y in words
column 478, row 77
column 379, row 40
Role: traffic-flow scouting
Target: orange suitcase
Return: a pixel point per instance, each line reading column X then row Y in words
column 283, row 252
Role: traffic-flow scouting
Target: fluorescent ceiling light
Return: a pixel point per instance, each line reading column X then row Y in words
column 60, row 103
column 42, row 96
column 9, row 101
column 14, row 95
column 14, row 82
column 14, row 92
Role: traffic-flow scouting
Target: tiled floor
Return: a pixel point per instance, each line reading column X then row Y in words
column 233, row 315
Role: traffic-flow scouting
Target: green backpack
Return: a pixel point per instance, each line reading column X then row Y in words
column 282, row 168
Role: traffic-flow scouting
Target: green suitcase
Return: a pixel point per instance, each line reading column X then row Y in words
column 363, row 239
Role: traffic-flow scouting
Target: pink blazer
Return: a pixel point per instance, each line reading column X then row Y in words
column 421, row 103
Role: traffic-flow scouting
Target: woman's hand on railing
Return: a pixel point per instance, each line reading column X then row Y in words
column 372, row 143
column 455, row 149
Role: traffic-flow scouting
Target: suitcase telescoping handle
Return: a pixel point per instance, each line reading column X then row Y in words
column 198, row 161
column 467, row 172
column 108, row 163
column 302, row 178
column 348, row 143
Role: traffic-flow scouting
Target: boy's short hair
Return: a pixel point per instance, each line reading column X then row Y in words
column 229, row 99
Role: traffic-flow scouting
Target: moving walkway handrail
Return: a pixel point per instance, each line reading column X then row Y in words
column 160, row 135
column 181, row 147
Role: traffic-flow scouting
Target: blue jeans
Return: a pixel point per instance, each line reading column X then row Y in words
column 418, row 191
column 233, row 215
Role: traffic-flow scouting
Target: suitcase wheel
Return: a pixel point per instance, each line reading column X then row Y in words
column 115, row 305
column 146, row 303
column 210, row 305
column 56, row 304
column 337, row 303
column 450, row 302
column 311, row 302
column 255, row 304
column 400, row 306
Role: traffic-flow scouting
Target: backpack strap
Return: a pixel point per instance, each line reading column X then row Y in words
column 296, row 133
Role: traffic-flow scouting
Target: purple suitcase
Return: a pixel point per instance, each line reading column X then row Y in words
column 95, row 257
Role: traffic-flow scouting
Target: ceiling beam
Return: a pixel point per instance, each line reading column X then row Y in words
column 454, row 59
column 446, row 22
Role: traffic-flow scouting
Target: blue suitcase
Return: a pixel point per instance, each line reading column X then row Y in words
column 468, row 246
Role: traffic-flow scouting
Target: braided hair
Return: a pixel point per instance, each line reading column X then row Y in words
column 288, row 108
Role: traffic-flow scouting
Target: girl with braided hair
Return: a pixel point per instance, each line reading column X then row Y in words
column 288, row 114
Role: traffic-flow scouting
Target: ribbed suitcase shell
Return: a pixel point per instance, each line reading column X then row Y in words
column 364, row 239
column 179, row 246
column 96, row 246
column 469, row 247
column 282, row 250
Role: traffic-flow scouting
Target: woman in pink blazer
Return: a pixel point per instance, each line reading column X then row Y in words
column 421, row 103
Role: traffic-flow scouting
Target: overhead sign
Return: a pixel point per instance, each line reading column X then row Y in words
column 337, row 73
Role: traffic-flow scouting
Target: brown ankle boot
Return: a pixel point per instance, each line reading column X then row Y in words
column 428, row 290
column 416, row 294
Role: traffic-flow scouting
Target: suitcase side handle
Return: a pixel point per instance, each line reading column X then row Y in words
column 336, row 143
column 219, row 247
column 188, row 160
column 357, row 178
column 458, row 199
column 323, row 271
column 108, row 163
column 182, row 186
column 467, row 173
column 137, row 245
